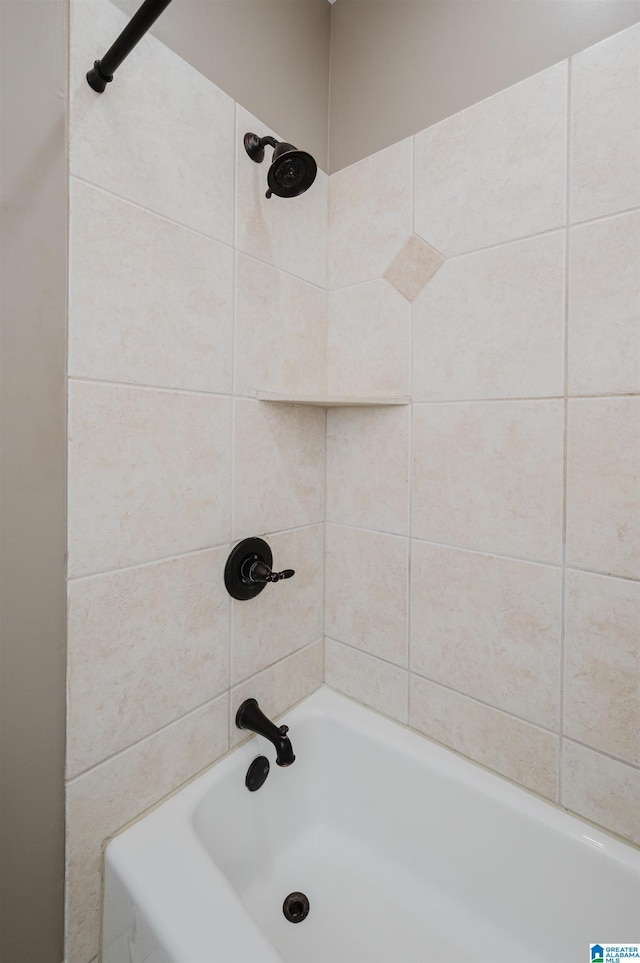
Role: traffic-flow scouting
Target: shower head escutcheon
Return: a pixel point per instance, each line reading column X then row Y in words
column 292, row 171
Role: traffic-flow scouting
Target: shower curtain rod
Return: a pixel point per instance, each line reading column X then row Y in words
column 102, row 71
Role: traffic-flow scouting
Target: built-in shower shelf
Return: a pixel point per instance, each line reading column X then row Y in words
column 332, row 401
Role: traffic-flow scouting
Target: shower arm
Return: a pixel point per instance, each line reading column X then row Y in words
column 102, row 71
column 255, row 146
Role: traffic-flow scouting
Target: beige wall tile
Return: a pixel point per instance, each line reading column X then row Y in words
column 279, row 462
column 279, row 687
column 102, row 801
column 369, row 340
column 281, row 331
column 145, row 646
column 369, row 215
column 375, row 683
column 602, row 664
column 489, row 476
column 413, row 267
column 491, row 324
column 368, row 468
column 290, row 233
column 149, row 474
column 495, row 171
column 285, row 616
column 604, row 306
column 366, row 591
column 146, row 138
column 605, row 126
column 513, row 748
column 159, row 311
column 603, row 485
column 601, row 789
column 489, row 628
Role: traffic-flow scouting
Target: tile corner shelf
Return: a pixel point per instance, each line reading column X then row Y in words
column 332, row 401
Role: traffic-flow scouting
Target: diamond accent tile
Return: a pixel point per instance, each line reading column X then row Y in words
column 413, row 266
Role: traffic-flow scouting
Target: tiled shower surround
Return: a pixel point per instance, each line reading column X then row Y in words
column 471, row 558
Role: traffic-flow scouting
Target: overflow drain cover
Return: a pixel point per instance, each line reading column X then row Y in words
column 296, row 907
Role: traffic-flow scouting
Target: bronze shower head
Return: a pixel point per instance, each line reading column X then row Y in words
column 292, row 171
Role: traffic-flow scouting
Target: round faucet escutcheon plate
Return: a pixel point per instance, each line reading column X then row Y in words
column 255, row 549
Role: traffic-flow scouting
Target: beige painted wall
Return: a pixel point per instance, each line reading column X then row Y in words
column 272, row 56
column 33, row 446
column 398, row 66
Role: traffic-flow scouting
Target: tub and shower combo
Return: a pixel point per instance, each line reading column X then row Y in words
column 367, row 843
column 374, row 846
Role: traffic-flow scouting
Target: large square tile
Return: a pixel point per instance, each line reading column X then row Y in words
column 497, row 170
column 149, row 474
column 489, row 476
column 279, row 467
column 491, row 324
column 145, row 646
column 489, row 628
column 368, row 467
column 369, row 340
column 159, row 310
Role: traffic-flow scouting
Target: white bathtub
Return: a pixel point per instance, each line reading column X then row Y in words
column 406, row 852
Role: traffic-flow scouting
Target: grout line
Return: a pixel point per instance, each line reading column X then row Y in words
column 271, row 665
column 225, row 694
column 563, row 596
column 484, row 551
column 148, row 563
column 330, row 72
column 169, row 389
column 230, row 245
column 324, row 545
column 370, row 655
column 280, row 270
column 601, row 752
column 148, row 210
column 151, row 735
column 589, row 571
column 488, row 705
column 410, row 497
column 234, row 380
column 413, row 185
column 457, row 548
column 180, row 555
column 499, row 400
column 155, row 388
column 605, row 217
column 514, row 240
